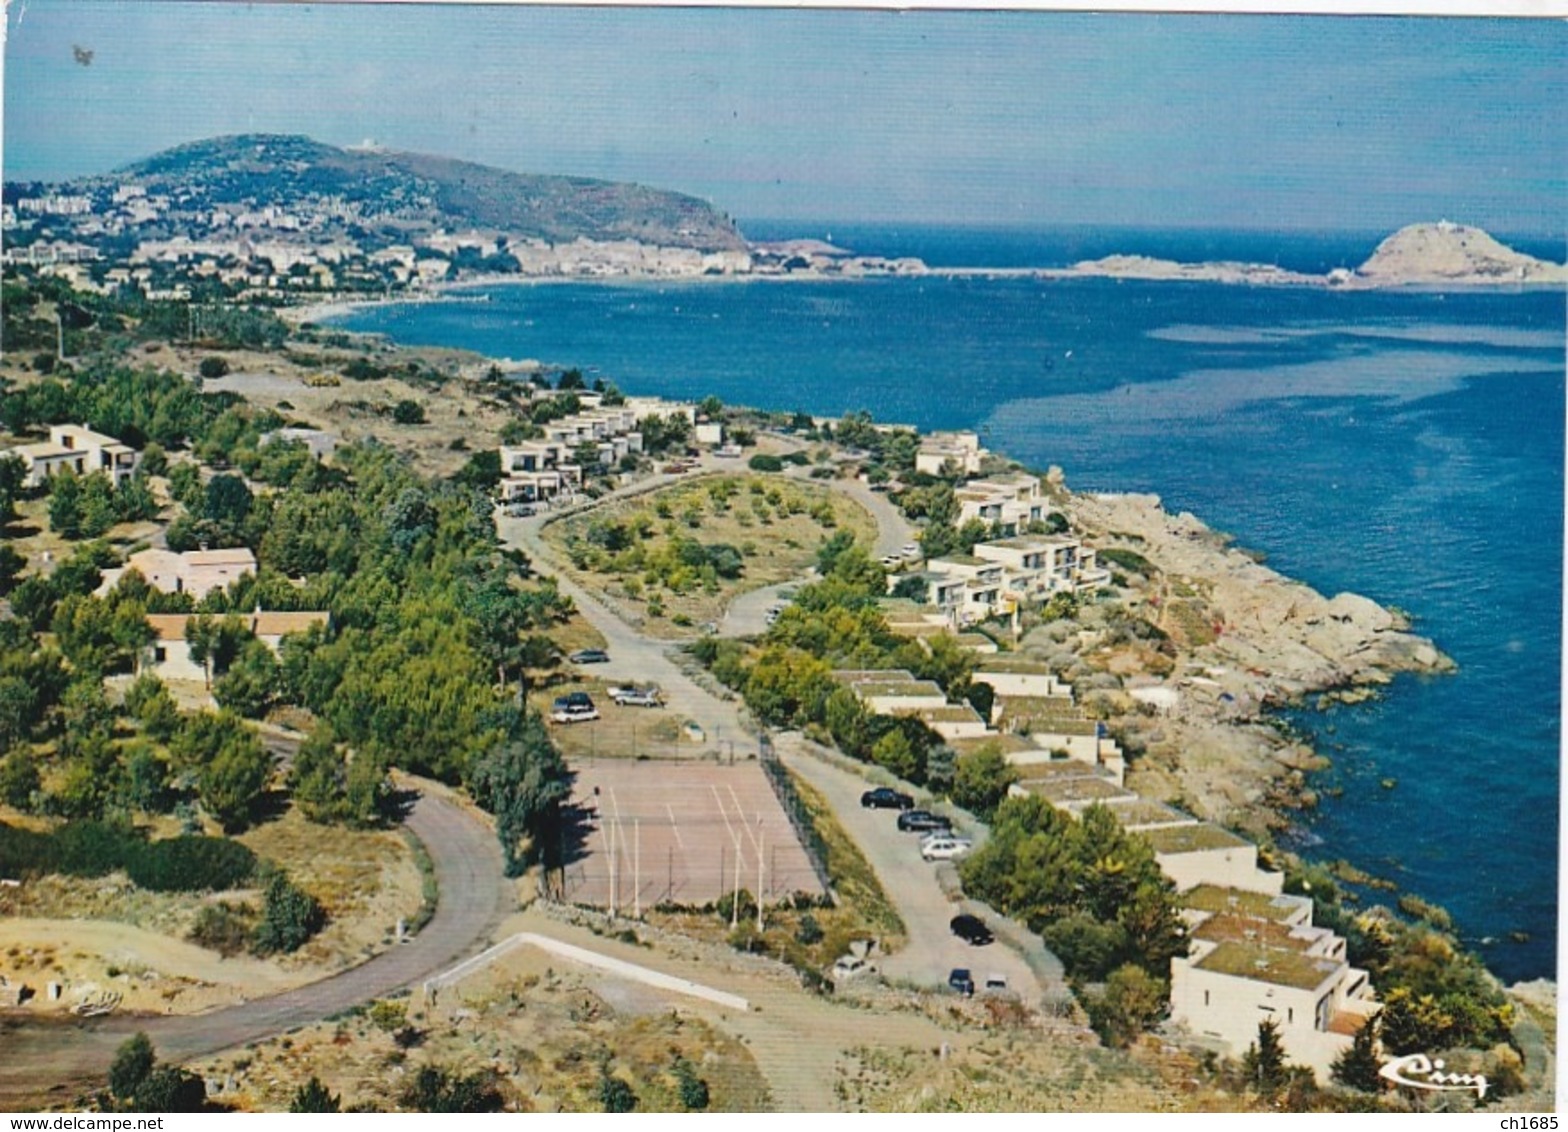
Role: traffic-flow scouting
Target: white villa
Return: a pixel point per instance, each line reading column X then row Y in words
column 1012, row 500
column 1256, row 956
column 543, row 470
column 941, row 452
column 82, row 450
column 169, row 656
column 1041, row 565
column 1254, row 952
column 195, row 572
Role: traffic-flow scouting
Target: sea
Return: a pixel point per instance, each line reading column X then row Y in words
column 1406, row 446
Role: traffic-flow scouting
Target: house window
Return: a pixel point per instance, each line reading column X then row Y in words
column 1205, row 998
column 159, row 654
column 1290, row 1014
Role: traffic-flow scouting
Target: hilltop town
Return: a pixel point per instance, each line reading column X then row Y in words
column 513, row 741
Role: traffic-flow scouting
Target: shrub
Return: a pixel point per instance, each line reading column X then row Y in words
column 214, row 366
column 615, row 1095
column 191, row 864
column 408, row 413
column 313, row 1096
column 693, row 1089
column 765, row 463
column 223, row 927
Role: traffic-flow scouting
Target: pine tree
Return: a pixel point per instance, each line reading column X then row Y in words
column 1357, row 1067
column 1264, row 1061
column 133, row 1063
column 313, row 1096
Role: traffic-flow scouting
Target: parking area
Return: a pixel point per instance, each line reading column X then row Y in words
column 684, row 833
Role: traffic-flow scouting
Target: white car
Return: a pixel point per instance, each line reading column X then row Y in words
column 848, row 967
column 945, row 848
column 629, row 695
column 910, row 550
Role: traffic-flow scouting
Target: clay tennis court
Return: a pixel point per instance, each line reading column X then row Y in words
column 665, row 832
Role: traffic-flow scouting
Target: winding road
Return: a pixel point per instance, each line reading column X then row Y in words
column 42, row 1062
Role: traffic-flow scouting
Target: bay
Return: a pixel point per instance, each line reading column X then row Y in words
column 1405, row 446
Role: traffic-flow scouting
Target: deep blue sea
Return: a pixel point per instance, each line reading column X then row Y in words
column 1404, row 446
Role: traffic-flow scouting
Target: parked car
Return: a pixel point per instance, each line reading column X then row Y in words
column 923, row 820
column 575, row 707
column 848, row 967
column 910, row 550
column 971, row 929
column 589, row 656
column 946, row 848
column 629, row 695
column 960, row 980
column 521, row 510
column 886, row 798
column 995, row 982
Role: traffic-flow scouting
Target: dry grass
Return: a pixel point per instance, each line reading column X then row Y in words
column 545, row 1032
column 766, row 517
column 619, row 732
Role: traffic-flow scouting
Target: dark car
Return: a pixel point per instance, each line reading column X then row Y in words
column 886, row 798
column 961, row 980
column 971, row 929
column 589, row 656
column 922, row 821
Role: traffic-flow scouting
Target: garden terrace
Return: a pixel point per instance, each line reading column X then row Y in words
column 1197, row 838
column 1269, row 965
column 1214, row 898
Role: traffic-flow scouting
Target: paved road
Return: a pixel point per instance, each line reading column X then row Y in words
column 475, row 896
column 634, row 657
column 910, row 882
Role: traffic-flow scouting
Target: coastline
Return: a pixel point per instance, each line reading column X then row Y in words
column 1248, row 640
column 1138, row 269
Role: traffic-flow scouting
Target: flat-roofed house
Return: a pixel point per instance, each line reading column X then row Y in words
column 1041, row 565
column 1011, row 501
column 80, row 449
column 1255, row 957
column 942, row 452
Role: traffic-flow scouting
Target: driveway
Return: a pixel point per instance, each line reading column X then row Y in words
column 912, row 884
column 475, row 896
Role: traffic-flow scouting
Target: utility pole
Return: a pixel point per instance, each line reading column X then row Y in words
column 760, row 860
column 637, row 868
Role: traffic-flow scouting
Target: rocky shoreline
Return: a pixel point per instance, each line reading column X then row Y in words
column 1240, row 639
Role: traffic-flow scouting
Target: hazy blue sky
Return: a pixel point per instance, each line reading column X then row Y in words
column 1269, row 122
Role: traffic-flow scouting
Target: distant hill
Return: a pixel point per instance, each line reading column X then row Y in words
column 1454, row 253
column 419, row 189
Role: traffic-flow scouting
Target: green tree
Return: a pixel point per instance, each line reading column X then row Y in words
column 318, row 776
column 289, row 916
column 231, row 784
column 1133, row 1000
column 65, row 504
column 1264, row 1062
column 894, row 752
column 19, row 780
column 407, row 412
column 132, row 1064
column 213, row 366
column 147, row 779
column 152, row 705
column 251, row 683
column 1357, row 1067
column 313, row 1096
column 522, row 781
column 981, row 781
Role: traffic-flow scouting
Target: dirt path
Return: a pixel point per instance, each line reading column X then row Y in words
column 130, row 946
column 797, row 1038
column 54, row 1062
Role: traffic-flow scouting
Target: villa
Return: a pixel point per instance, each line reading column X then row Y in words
column 195, row 572
column 80, row 449
column 1011, row 501
column 169, row 656
column 944, row 453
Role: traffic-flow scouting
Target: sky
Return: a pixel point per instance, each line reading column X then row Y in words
column 1004, row 118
